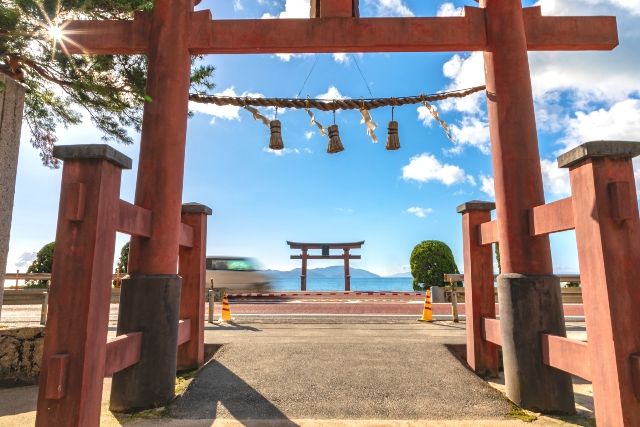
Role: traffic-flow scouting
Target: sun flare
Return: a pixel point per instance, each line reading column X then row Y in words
column 55, row 32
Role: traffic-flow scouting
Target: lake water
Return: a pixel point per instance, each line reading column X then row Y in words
column 400, row 284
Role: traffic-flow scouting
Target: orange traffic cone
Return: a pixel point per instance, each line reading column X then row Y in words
column 225, row 316
column 427, row 314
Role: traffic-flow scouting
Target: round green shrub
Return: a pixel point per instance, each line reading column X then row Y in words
column 430, row 261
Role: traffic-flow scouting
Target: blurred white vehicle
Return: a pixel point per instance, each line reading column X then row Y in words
column 236, row 273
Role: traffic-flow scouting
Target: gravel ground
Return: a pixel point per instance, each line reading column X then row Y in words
column 395, row 381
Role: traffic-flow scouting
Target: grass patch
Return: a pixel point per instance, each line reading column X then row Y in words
column 149, row 414
column 183, row 379
column 521, row 414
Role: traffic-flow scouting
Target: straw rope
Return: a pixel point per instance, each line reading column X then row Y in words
column 331, row 104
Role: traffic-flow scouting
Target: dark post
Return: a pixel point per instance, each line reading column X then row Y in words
column 607, row 227
column 479, row 292
column 192, row 269
column 73, row 362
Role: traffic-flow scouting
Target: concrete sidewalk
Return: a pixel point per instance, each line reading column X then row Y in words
column 376, row 373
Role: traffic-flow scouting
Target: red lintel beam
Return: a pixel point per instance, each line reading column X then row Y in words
column 122, row 352
column 336, row 34
column 491, row 330
column 567, row 355
column 430, row 34
column 184, row 331
column 488, row 232
column 569, row 32
column 186, row 235
column 552, row 217
column 134, row 220
column 107, row 37
column 326, row 257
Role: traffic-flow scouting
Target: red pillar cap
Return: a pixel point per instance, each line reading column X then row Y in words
column 196, row 208
column 475, row 205
column 594, row 149
column 92, row 152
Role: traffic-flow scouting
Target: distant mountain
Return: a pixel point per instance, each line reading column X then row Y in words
column 335, row 271
column 404, row 275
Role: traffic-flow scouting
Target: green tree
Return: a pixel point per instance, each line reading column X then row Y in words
column 430, row 261
column 42, row 264
column 121, row 267
column 497, row 252
column 110, row 88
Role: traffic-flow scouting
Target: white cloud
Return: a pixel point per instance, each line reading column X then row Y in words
column 425, row 116
column 465, row 71
column 426, row 167
column 341, row 58
column 285, row 151
column 331, row 93
column 391, row 8
column 419, row 212
column 224, row 112
column 237, row 5
column 620, row 122
column 308, row 135
column 471, row 131
column 449, row 9
column 556, row 180
column 25, row 259
column 487, row 186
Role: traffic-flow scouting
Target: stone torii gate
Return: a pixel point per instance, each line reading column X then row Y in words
column 173, row 31
column 325, row 247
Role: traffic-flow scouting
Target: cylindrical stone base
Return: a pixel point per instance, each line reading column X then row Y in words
column 151, row 305
column 529, row 307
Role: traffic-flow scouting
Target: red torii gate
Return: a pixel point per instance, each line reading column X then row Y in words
column 173, row 31
column 325, row 247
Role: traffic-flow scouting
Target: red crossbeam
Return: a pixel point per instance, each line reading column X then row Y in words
column 122, row 352
column 491, row 330
column 430, row 34
column 552, row 217
column 134, row 220
column 184, row 331
column 567, row 355
column 488, row 232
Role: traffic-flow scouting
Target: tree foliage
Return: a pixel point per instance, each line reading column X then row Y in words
column 42, row 264
column 110, row 88
column 430, row 261
column 121, row 267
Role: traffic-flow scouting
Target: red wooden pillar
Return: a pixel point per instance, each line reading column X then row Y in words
column 303, row 272
column 192, row 268
column 608, row 236
column 73, row 364
column 482, row 355
column 347, row 274
column 529, row 295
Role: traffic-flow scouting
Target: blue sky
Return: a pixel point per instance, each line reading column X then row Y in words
column 392, row 200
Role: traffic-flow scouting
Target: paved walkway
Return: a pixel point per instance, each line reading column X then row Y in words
column 377, row 373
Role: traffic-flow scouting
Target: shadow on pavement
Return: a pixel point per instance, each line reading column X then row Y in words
column 215, row 384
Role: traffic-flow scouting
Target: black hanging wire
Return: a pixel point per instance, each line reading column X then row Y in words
column 315, row 61
column 364, row 79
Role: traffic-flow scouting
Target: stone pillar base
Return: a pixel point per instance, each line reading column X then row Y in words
column 530, row 306
column 151, row 305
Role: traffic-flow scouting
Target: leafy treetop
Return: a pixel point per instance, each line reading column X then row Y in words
column 110, row 88
column 42, row 264
column 430, row 261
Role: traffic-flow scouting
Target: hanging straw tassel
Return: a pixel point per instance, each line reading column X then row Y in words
column 276, row 143
column 335, row 145
column 393, row 141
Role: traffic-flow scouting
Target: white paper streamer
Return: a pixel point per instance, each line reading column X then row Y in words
column 371, row 125
column 443, row 124
column 258, row 116
column 323, row 131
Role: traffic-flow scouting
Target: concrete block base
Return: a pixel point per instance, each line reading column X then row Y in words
column 151, row 305
column 530, row 306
